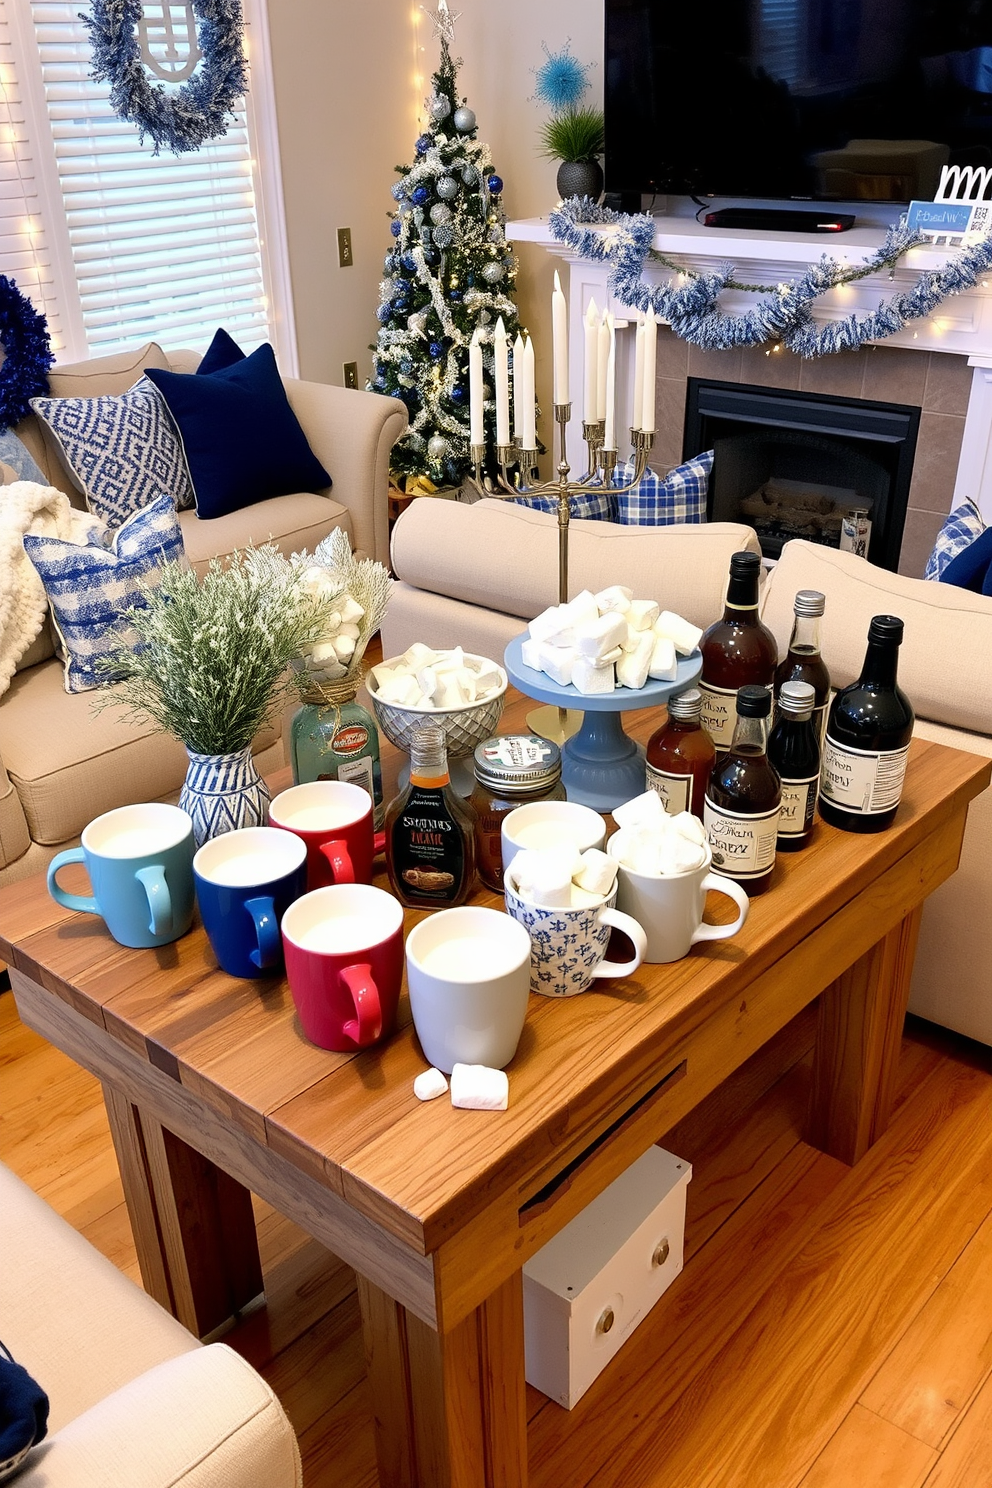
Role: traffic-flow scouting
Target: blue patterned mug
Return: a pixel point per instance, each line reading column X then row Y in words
column 568, row 946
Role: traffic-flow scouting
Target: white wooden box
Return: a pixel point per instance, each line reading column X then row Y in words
column 589, row 1287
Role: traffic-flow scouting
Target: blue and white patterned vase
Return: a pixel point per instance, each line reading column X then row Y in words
column 223, row 792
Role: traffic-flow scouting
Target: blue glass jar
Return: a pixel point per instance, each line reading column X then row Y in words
column 333, row 737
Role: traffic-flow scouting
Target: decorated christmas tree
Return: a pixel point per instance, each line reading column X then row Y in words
column 448, row 272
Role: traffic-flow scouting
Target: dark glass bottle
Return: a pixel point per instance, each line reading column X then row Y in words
column 743, row 798
column 430, row 845
column 794, row 751
column 868, row 734
column 803, row 662
column 738, row 651
column 680, row 755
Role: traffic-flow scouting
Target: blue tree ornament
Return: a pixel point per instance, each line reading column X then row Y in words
column 396, row 227
column 419, row 195
column 424, row 143
column 495, row 184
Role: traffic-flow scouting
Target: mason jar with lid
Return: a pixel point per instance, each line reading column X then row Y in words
column 509, row 771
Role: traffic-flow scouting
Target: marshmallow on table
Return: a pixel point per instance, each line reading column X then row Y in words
column 616, row 598
column 402, row 690
column 598, row 873
column 632, row 667
column 429, row 1085
column 546, row 624
column 476, row 1087
column 642, row 614
column 643, row 810
column 530, row 654
column 663, row 666
column 418, row 655
column 596, row 638
column 684, row 635
column 583, row 607
column 557, row 662
column 589, row 678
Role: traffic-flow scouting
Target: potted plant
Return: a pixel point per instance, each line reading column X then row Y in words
column 574, row 134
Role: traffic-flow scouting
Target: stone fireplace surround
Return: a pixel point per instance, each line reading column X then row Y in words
column 942, row 366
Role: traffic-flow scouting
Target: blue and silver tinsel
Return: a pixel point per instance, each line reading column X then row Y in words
column 783, row 315
column 183, row 118
column 27, row 354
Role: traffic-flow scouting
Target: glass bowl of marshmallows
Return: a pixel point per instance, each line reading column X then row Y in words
column 456, row 689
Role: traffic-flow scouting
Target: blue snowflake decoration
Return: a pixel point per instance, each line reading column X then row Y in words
column 27, row 354
column 561, row 79
column 182, row 119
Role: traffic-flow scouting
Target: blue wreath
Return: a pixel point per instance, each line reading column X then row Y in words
column 182, row 118
column 27, row 354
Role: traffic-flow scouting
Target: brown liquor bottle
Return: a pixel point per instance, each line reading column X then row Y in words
column 803, row 662
column 738, row 651
column 430, row 840
column 744, row 798
column 679, row 756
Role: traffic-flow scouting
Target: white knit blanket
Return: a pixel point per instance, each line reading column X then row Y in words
column 28, row 507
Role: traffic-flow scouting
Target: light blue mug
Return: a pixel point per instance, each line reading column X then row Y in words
column 140, row 863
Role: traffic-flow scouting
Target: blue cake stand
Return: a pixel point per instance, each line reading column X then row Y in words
column 601, row 766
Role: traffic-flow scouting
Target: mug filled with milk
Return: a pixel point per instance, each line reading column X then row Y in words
column 540, row 825
column 245, row 882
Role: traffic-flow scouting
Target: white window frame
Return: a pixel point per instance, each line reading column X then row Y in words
column 266, row 171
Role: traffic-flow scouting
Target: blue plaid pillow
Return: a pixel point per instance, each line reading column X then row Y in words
column 598, row 506
column 91, row 589
column 657, row 501
column 123, row 451
column 959, row 531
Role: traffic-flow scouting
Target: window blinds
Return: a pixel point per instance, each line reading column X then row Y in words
column 165, row 247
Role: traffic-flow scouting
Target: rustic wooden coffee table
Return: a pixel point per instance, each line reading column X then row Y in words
column 212, row 1091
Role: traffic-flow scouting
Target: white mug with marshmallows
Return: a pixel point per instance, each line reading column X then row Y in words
column 670, row 906
column 543, row 825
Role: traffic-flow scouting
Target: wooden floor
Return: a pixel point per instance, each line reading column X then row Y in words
column 832, row 1327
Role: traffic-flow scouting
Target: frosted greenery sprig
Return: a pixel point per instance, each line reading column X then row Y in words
column 213, row 653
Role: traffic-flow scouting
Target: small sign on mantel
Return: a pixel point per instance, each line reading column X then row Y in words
column 950, row 219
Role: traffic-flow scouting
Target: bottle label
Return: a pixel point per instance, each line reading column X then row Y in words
column 865, row 782
column 798, row 801
column 718, row 714
column 675, row 790
column 428, row 856
column 358, row 772
column 743, row 846
column 350, row 739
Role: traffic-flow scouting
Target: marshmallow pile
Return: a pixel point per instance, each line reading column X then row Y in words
column 334, row 653
column 474, row 1087
column 654, row 844
column 562, row 877
column 424, row 679
column 601, row 641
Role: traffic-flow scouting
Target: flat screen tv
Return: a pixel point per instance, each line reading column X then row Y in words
column 822, row 100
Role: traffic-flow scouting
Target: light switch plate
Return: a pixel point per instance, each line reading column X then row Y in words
column 345, row 256
column 350, row 370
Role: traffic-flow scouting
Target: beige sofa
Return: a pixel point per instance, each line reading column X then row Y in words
column 472, row 575
column 61, row 763
column 135, row 1400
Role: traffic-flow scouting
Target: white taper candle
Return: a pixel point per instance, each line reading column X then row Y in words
column 530, row 398
column 559, row 341
column 475, row 421
column 501, row 377
column 518, row 391
column 650, row 365
column 635, row 417
column 602, row 357
column 591, row 368
column 610, row 438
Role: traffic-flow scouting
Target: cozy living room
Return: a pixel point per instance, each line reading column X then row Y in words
column 495, row 744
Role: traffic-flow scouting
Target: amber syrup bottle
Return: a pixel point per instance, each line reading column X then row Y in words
column 743, row 798
column 430, row 841
column 680, row 756
column 868, row 734
column 794, row 751
column 738, row 651
column 803, row 662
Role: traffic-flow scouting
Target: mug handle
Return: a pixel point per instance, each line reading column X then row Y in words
column 156, row 889
column 269, row 949
column 620, row 921
column 86, row 904
column 337, row 854
column 378, row 844
column 366, row 1026
column 733, row 891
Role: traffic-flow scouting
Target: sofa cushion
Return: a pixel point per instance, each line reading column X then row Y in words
column 945, row 662
column 91, row 589
column 503, row 557
column 69, row 763
column 105, row 375
column 17, row 462
column 290, row 522
column 243, row 442
column 122, row 450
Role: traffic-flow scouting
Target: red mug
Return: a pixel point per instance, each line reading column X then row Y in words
column 334, row 819
column 344, row 960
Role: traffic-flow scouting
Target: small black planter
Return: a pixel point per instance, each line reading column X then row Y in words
column 580, row 178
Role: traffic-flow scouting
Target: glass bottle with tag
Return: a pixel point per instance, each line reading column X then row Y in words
column 803, row 662
column 794, row 750
column 510, row 770
column 334, row 738
column 679, row 756
column 744, row 797
column 738, row 651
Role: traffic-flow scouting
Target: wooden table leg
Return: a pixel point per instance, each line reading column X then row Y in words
column 194, row 1228
column 450, row 1409
column 857, row 1046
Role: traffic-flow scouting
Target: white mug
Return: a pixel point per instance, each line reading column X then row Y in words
column 468, row 971
column 568, row 946
column 671, row 908
column 543, row 824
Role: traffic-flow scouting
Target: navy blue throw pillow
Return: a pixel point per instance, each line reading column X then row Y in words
column 223, row 351
column 242, row 441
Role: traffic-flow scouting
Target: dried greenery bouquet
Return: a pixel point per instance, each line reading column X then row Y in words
column 213, row 655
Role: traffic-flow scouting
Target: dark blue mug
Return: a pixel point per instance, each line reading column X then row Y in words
column 245, row 882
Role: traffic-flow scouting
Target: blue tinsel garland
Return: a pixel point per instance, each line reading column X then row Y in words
column 27, row 354
column 187, row 117
column 784, row 315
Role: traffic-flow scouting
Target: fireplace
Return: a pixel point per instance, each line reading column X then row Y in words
column 793, row 464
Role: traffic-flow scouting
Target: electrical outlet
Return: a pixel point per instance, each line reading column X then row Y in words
column 351, row 374
column 345, row 256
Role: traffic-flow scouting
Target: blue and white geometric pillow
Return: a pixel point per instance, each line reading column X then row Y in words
column 92, row 589
column 959, row 531
column 657, row 500
column 123, row 451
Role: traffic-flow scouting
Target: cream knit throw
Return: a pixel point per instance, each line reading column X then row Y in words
column 26, row 506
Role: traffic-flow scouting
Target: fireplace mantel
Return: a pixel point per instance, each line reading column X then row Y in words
column 962, row 326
